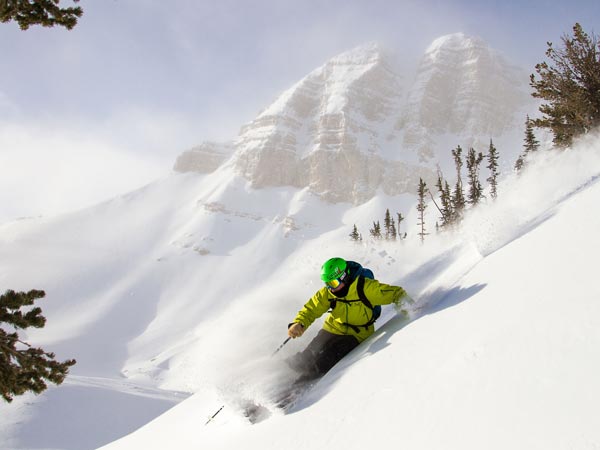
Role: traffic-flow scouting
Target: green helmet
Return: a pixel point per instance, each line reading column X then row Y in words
column 333, row 269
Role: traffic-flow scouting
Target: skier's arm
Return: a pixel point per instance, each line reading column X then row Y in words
column 316, row 306
column 385, row 294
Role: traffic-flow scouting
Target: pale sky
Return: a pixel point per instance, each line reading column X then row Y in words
column 95, row 112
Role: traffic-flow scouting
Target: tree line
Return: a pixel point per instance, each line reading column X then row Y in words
column 452, row 201
column 391, row 229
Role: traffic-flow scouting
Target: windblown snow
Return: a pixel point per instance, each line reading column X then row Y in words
column 174, row 297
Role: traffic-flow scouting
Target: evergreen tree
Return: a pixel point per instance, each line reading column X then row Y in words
column 355, row 235
column 519, row 163
column 25, row 368
column 475, row 189
column 458, row 197
column 46, row 13
column 400, row 219
column 376, row 230
column 388, row 222
column 446, row 210
column 421, row 206
column 570, row 84
column 393, row 231
column 492, row 158
column 531, row 143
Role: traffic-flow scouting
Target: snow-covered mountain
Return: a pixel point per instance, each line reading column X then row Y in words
column 356, row 124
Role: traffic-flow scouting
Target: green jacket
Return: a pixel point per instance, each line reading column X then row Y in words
column 355, row 313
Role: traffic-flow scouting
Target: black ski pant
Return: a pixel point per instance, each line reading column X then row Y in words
column 321, row 354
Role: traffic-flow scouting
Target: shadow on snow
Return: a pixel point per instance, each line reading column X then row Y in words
column 439, row 300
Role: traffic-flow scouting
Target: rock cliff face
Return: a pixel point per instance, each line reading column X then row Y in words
column 353, row 126
column 324, row 132
column 465, row 90
column 327, row 132
column 204, row 158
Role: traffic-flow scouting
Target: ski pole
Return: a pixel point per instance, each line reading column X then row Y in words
column 281, row 346
column 214, row 415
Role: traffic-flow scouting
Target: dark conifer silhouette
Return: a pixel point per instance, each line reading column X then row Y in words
column 492, row 159
column 446, row 210
column 388, row 224
column 46, row 13
column 530, row 145
column 24, row 368
column 399, row 229
column 355, row 235
column 458, row 196
column 570, row 85
column 475, row 189
column 376, row 230
column 421, row 206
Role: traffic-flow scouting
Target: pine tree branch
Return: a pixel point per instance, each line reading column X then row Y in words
column 15, row 339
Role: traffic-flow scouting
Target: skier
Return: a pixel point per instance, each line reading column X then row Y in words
column 354, row 299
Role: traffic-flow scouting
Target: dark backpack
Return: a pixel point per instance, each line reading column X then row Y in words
column 360, row 288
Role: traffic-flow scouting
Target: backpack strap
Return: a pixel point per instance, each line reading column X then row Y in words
column 360, row 289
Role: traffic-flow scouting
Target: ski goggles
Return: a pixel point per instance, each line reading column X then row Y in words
column 336, row 282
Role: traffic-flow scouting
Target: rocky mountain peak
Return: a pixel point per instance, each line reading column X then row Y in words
column 454, row 42
column 324, row 131
column 354, row 125
column 327, row 88
column 466, row 90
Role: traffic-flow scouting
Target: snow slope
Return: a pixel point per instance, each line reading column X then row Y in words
column 504, row 354
column 188, row 284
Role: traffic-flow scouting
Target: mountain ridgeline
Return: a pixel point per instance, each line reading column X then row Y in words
column 355, row 125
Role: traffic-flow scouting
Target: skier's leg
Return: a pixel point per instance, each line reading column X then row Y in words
column 335, row 348
column 321, row 354
column 306, row 361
